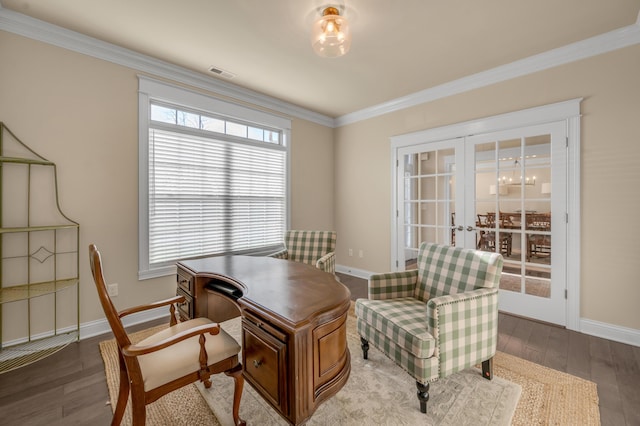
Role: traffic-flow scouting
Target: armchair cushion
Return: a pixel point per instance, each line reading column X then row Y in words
column 182, row 358
column 446, row 270
column 402, row 321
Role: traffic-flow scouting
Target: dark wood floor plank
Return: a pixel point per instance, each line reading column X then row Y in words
column 557, row 350
column 517, row 342
column 609, row 417
column 627, row 368
column 40, row 407
column 601, row 361
column 578, row 359
column 629, row 387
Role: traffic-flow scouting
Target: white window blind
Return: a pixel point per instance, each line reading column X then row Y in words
column 213, row 177
column 210, row 196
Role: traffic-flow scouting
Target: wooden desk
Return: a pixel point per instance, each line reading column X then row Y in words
column 294, row 341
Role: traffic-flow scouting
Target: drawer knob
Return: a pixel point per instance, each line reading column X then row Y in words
column 257, row 363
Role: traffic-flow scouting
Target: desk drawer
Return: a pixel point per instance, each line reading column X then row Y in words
column 264, row 360
column 185, row 281
column 185, row 309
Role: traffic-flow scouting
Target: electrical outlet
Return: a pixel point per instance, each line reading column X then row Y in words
column 112, row 289
column 360, row 253
column 350, row 252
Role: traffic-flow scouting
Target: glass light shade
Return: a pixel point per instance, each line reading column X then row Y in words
column 546, row 188
column 498, row 189
column 330, row 35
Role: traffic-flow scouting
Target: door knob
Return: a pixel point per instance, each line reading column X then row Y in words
column 460, row 228
column 470, row 228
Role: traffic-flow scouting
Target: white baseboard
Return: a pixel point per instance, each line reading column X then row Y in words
column 354, row 272
column 617, row 333
column 101, row 326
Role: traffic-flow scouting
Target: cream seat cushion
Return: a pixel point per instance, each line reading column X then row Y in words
column 182, row 358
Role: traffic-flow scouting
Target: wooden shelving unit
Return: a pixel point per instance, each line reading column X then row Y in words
column 39, row 262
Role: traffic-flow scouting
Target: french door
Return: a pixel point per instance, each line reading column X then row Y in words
column 497, row 191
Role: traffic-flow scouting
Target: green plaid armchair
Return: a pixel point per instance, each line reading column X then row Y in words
column 315, row 248
column 437, row 319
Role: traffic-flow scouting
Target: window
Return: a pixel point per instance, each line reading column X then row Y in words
column 213, row 178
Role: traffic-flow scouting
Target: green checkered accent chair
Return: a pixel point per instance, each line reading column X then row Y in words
column 437, row 319
column 315, row 248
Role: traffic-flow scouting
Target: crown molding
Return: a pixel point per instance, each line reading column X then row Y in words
column 613, row 40
column 36, row 29
column 26, row 26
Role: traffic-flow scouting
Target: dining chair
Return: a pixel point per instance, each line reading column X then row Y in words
column 169, row 359
column 487, row 236
column 538, row 244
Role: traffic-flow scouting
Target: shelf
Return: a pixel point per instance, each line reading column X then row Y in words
column 24, row 182
column 13, row 357
column 25, row 161
column 37, row 228
column 28, row 291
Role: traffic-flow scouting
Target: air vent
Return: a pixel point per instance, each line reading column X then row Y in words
column 222, row 73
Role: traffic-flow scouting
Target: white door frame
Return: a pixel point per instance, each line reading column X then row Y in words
column 568, row 111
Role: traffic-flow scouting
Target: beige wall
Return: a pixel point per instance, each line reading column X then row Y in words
column 610, row 172
column 82, row 114
column 312, row 176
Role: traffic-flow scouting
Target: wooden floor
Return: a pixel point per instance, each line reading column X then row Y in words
column 69, row 387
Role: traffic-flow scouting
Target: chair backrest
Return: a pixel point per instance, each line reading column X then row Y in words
column 309, row 246
column 443, row 269
column 540, row 221
column 107, row 306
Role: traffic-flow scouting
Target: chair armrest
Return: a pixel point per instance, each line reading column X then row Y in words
column 282, row 254
column 137, row 350
column 327, row 262
column 392, row 285
column 140, row 308
column 465, row 326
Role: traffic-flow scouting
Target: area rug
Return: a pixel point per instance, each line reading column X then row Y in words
column 548, row 397
column 379, row 392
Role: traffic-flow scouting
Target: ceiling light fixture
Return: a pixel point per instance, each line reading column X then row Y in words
column 517, row 181
column 330, row 35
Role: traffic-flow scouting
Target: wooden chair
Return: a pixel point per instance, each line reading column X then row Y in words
column 487, row 238
column 538, row 245
column 171, row 358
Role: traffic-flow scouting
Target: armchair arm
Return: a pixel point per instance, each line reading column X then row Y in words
column 327, row 262
column 140, row 308
column 465, row 326
column 282, row 254
column 136, row 350
column 392, row 285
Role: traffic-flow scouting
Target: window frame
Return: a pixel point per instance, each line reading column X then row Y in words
column 152, row 90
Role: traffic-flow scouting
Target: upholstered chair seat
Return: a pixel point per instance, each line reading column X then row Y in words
column 161, row 367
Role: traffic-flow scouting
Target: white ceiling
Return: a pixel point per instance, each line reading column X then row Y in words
column 398, row 48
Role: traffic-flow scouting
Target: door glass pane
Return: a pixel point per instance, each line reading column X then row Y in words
column 513, row 207
column 427, row 212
